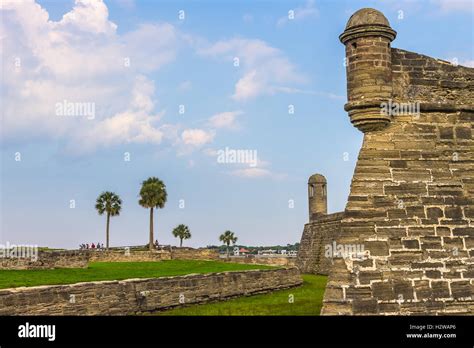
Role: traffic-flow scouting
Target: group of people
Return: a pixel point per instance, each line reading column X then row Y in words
column 91, row 246
column 100, row 246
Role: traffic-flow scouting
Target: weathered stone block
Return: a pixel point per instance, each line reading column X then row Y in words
column 430, row 242
column 433, row 274
column 453, row 213
column 377, row 248
column 464, row 231
column 411, row 243
column 422, row 289
column 353, row 292
column 463, row 133
column 383, row 291
column 443, row 231
column 365, row 306
column 421, row 231
column 426, row 264
column 440, row 289
column 404, row 189
column 403, row 258
column 365, row 277
column 460, row 289
column 389, row 307
column 434, row 213
column 391, row 232
column 403, row 289
column 446, row 133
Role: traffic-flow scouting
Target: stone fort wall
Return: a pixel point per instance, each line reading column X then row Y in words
column 47, row 260
column 317, row 234
column 262, row 260
column 411, row 203
column 135, row 296
column 81, row 258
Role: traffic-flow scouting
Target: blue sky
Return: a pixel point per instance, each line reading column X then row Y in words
column 136, row 62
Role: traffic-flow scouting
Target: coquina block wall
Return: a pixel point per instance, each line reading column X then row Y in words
column 320, row 232
column 47, row 260
column 136, row 296
column 411, row 201
column 81, row 258
column 317, row 236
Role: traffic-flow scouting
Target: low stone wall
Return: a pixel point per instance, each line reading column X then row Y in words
column 262, row 260
column 127, row 256
column 122, row 255
column 80, row 258
column 135, row 296
column 194, row 254
column 47, row 260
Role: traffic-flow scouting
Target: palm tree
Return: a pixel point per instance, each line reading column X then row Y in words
column 152, row 195
column 182, row 232
column 110, row 203
column 228, row 237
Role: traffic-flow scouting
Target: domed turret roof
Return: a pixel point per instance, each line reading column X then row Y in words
column 316, row 178
column 367, row 22
column 367, row 16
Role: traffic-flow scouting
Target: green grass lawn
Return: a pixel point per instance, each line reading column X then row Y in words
column 116, row 271
column 308, row 300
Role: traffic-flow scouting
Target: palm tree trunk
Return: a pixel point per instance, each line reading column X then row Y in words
column 107, row 233
column 181, row 243
column 151, row 229
column 227, row 250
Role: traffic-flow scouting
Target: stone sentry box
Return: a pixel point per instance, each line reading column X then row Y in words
column 411, row 203
column 321, row 230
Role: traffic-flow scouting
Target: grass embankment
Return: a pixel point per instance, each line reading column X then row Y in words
column 116, row 271
column 307, row 300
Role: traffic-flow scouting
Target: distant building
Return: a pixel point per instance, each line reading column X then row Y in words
column 243, row 251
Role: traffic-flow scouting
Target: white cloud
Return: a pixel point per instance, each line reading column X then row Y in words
column 252, row 173
column 263, row 66
column 88, row 15
column 185, row 86
column 245, row 169
column 137, row 124
column 261, row 170
column 250, row 86
column 150, row 46
column 247, row 18
column 196, row 137
column 457, row 61
column 468, row 63
column 81, row 58
column 226, row 120
column 310, row 92
column 210, row 152
column 300, row 13
column 454, row 5
column 430, row 8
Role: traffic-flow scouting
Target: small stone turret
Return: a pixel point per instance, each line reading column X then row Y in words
column 367, row 38
column 317, row 196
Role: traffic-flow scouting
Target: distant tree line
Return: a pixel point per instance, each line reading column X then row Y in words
column 256, row 249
